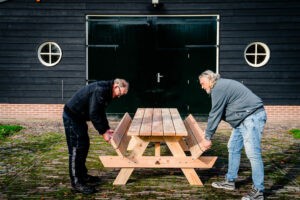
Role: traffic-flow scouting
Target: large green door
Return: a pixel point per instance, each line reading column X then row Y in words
column 161, row 57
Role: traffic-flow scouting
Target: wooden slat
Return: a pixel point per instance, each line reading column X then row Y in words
column 195, row 136
column 157, row 124
column 123, row 175
column 176, row 150
column 183, row 145
column 178, row 123
column 146, row 127
column 136, row 122
column 120, row 130
column 192, row 143
column 132, row 143
column 157, row 148
column 168, row 126
column 138, row 151
column 120, row 139
column 204, row 162
column 198, row 132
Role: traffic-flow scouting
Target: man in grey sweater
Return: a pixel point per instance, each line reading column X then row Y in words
column 244, row 111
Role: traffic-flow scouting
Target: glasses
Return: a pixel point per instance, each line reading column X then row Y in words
column 120, row 92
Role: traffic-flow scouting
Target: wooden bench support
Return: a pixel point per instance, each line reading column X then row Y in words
column 195, row 136
column 204, row 162
column 120, row 142
column 193, row 140
column 123, row 176
column 120, row 139
column 125, row 173
column 177, row 151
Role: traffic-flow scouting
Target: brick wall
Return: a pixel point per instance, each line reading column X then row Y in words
column 31, row 111
column 276, row 114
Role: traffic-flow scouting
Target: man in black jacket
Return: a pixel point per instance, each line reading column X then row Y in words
column 88, row 104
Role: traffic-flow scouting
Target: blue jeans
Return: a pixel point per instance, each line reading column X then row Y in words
column 248, row 134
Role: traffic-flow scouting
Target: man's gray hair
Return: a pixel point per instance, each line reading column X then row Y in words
column 122, row 83
column 211, row 76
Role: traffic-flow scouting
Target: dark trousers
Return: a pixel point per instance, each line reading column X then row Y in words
column 78, row 146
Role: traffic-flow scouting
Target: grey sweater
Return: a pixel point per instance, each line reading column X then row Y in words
column 232, row 102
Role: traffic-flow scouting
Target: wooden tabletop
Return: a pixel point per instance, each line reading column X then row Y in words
column 157, row 122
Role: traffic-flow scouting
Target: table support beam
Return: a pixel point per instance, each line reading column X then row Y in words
column 204, row 162
column 175, row 148
column 138, row 151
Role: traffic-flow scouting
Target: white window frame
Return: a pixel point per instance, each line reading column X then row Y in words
column 50, row 54
column 256, row 54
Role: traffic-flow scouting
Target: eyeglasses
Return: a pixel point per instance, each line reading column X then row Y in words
column 120, row 92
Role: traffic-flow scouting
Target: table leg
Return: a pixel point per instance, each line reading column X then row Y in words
column 157, row 148
column 176, row 149
column 138, row 150
column 183, row 145
column 123, row 176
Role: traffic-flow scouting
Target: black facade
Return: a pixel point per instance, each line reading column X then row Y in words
column 26, row 24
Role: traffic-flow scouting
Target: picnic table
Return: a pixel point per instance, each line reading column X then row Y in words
column 158, row 125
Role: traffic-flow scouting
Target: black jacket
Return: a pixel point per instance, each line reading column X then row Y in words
column 90, row 102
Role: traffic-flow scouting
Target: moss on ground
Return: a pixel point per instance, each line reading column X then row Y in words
column 35, row 166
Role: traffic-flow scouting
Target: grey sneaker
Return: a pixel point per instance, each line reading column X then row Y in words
column 254, row 194
column 227, row 185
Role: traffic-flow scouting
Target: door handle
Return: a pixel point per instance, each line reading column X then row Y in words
column 158, row 76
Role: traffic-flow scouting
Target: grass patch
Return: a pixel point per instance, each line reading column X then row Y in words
column 295, row 133
column 8, row 130
column 29, row 162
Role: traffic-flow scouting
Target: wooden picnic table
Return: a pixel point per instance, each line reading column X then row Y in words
column 157, row 125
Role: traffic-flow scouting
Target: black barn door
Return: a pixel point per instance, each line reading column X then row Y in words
column 161, row 57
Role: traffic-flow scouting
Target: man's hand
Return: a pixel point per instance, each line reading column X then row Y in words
column 108, row 135
column 205, row 144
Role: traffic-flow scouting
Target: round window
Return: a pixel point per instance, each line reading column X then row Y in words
column 257, row 54
column 49, row 54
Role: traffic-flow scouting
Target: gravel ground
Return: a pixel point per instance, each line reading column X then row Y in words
column 33, row 165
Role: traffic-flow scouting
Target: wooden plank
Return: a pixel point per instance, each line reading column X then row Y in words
column 157, row 148
column 141, row 144
column 157, row 124
column 120, row 131
column 238, row 25
column 132, row 143
column 146, row 127
column 137, row 151
column 197, row 131
column 122, row 149
column 177, row 151
column 168, row 126
column 192, row 176
column 195, row 136
column 183, row 144
column 136, row 123
column 123, row 176
column 178, row 123
column 204, row 162
column 191, row 141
